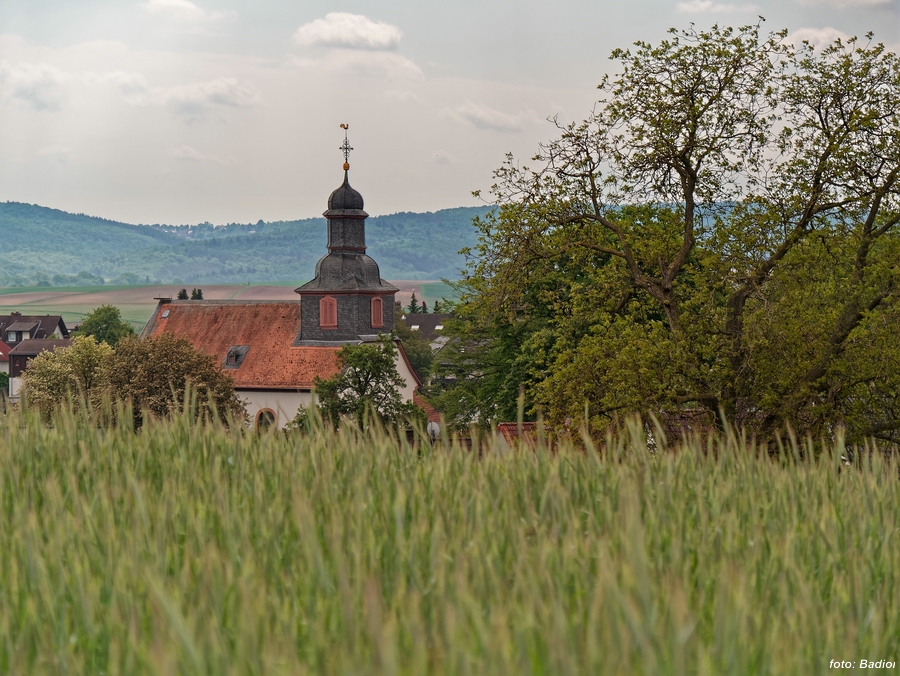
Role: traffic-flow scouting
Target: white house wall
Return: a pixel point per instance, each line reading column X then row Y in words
column 285, row 403
column 15, row 387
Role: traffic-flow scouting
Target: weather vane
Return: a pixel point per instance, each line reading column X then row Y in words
column 345, row 147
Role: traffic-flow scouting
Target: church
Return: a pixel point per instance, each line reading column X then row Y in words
column 275, row 349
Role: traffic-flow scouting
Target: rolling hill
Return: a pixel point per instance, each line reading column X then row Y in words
column 48, row 247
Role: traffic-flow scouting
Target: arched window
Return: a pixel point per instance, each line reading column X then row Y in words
column 328, row 313
column 265, row 419
column 377, row 313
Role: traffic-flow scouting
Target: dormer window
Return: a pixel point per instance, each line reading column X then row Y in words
column 377, row 313
column 11, row 336
column 235, row 356
column 328, row 313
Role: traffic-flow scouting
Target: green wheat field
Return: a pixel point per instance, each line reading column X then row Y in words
column 191, row 549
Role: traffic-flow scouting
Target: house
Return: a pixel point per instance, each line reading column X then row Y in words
column 17, row 330
column 22, row 354
column 274, row 350
column 16, row 327
column 430, row 326
column 4, row 357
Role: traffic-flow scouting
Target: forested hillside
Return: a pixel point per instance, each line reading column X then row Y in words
column 38, row 241
column 51, row 247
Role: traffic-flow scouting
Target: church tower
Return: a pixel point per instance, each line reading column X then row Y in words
column 347, row 301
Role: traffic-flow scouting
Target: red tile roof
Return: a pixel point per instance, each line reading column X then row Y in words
column 268, row 327
column 433, row 415
column 510, row 433
column 4, row 351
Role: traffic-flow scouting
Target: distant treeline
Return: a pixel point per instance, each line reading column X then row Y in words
column 47, row 247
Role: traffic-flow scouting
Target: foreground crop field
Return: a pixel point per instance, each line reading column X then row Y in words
column 187, row 550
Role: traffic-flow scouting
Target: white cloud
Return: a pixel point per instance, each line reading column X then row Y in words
column 45, row 87
column 184, row 10
column 39, row 85
column 193, row 101
column 56, row 153
column 487, row 118
column 191, row 154
column 848, row 3
column 442, row 157
column 127, row 83
column 817, row 37
column 710, row 7
column 350, row 31
column 378, row 64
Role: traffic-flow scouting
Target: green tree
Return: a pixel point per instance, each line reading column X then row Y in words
column 154, row 373
column 197, row 294
column 414, row 307
column 106, row 325
column 4, row 385
column 183, row 294
column 719, row 235
column 54, row 374
column 368, row 383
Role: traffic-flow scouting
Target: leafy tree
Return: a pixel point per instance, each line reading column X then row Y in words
column 153, row 374
column 418, row 350
column 197, row 294
column 183, row 294
column 414, row 307
column 367, row 383
column 54, row 374
column 4, row 385
column 106, row 325
column 721, row 234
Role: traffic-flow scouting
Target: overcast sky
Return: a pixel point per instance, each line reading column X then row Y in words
column 182, row 111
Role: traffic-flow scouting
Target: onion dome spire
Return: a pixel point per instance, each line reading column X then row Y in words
column 345, row 197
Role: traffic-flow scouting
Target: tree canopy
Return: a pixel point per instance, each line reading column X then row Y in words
column 75, row 370
column 368, row 383
column 153, row 374
column 106, row 325
column 719, row 237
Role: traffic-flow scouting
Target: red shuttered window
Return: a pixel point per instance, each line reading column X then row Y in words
column 377, row 313
column 328, row 313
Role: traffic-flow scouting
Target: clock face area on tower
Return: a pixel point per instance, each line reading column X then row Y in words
column 347, row 300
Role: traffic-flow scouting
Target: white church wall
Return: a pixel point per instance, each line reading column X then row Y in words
column 283, row 403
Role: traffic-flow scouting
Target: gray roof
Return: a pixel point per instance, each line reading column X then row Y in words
column 342, row 271
column 48, row 324
column 22, row 326
column 427, row 323
column 345, row 197
column 31, row 348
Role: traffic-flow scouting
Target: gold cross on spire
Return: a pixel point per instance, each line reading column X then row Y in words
column 345, row 147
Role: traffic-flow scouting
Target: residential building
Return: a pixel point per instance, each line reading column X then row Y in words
column 16, row 327
column 20, row 357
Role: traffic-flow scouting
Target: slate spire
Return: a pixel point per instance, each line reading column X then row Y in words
column 346, row 274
